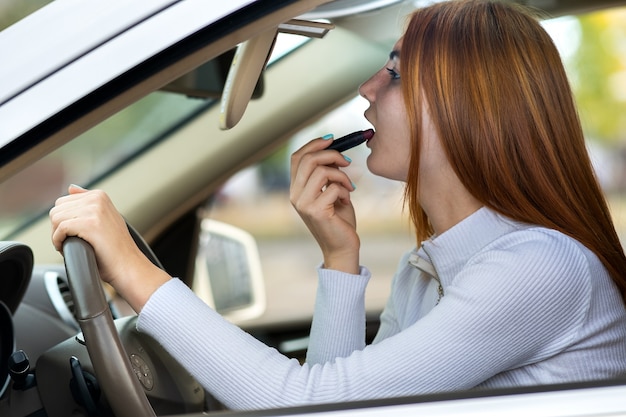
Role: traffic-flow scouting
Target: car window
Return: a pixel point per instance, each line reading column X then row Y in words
column 256, row 199
column 104, row 148
column 12, row 11
column 91, row 155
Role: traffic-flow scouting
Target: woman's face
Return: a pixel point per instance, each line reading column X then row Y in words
column 390, row 146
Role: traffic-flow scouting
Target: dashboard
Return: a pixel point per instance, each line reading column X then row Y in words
column 42, row 348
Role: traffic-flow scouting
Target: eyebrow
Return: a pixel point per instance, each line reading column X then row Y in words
column 395, row 54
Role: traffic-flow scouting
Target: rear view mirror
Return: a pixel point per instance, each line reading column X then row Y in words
column 207, row 81
column 228, row 274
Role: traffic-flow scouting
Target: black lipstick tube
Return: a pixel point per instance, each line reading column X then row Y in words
column 351, row 140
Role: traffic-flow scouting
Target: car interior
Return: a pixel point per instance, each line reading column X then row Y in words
column 192, row 144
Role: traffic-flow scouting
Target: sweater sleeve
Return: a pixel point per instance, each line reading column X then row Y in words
column 509, row 308
column 338, row 326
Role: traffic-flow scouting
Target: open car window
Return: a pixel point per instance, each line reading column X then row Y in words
column 92, row 155
column 257, row 200
column 261, row 191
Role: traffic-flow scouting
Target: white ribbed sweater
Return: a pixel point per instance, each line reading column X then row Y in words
column 522, row 305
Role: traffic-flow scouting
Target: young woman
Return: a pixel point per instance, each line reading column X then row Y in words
column 518, row 278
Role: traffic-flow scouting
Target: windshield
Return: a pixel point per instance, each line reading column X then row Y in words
column 90, row 156
column 31, row 191
column 86, row 159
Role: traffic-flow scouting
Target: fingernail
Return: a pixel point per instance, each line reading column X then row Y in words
column 347, row 158
column 327, row 137
column 353, row 185
column 76, row 186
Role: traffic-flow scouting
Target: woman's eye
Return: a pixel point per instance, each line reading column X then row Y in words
column 393, row 74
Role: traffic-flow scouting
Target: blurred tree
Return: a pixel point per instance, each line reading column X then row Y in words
column 599, row 75
column 13, row 10
column 274, row 170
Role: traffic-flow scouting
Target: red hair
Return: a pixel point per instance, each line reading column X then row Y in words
column 501, row 103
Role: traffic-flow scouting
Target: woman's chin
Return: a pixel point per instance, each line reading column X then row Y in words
column 385, row 168
column 377, row 168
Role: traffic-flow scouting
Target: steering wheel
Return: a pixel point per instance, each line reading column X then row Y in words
column 119, row 383
column 108, row 356
column 170, row 387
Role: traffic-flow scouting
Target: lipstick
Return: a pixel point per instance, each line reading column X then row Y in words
column 351, row 140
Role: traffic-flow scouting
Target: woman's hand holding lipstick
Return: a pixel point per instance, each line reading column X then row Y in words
column 320, row 193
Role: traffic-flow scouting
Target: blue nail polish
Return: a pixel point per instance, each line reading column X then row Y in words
column 347, row 158
column 327, row 137
column 353, row 185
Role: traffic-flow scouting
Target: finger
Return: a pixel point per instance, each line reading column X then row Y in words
column 312, row 146
column 75, row 193
column 79, row 213
column 76, row 189
column 319, row 184
column 66, row 214
column 318, row 211
column 307, row 187
column 328, row 162
column 61, row 231
column 74, row 204
column 323, row 176
column 334, row 194
column 330, row 218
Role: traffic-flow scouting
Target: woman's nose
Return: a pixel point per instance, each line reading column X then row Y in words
column 366, row 90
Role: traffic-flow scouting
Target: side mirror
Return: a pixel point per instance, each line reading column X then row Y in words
column 228, row 274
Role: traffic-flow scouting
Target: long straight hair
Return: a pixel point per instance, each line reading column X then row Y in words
column 501, row 103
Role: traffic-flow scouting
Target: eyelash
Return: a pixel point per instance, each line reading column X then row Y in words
column 393, row 74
